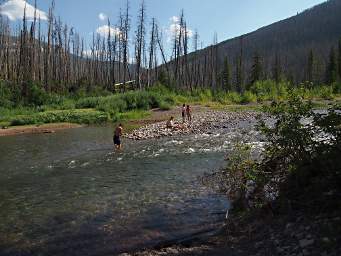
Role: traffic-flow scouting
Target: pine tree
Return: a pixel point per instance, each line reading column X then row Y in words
column 331, row 71
column 239, row 69
column 226, row 79
column 277, row 69
column 256, row 69
column 311, row 67
column 339, row 59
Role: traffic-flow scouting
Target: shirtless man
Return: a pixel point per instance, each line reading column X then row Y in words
column 117, row 135
column 170, row 123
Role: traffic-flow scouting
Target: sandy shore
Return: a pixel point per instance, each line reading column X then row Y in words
column 36, row 129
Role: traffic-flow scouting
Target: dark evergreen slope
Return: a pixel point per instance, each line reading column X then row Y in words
column 317, row 29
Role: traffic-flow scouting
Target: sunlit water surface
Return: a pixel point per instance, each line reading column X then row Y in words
column 69, row 193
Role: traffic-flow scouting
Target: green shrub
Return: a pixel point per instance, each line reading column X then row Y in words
column 36, row 95
column 70, row 116
column 5, row 96
column 133, row 115
column 270, row 90
column 165, row 106
column 326, row 92
column 248, row 97
column 233, row 97
column 112, row 105
column 88, row 102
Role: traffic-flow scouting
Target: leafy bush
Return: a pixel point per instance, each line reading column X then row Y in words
column 302, row 148
column 270, row 90
column 248, row 97
column 5, row 96
column 36, row 95
column 88, row 102
column 326, row 92
column 234, row 97
column 71, row 116
column 133, row 115
column 112, row 105
column 165, row 106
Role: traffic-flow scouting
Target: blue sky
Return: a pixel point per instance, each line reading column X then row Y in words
column 229, row 18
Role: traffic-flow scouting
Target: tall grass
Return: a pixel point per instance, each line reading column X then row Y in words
column 61, row 116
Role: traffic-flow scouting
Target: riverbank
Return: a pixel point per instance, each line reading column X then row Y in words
column 37, row 129
column 204, row 121
column 111, row 108
column 146, row 124
column 297, row 233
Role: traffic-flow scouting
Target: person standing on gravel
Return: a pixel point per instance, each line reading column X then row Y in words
column 183, row 112
column 189, row 113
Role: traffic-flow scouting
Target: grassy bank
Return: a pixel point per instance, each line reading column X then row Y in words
column 98, row 107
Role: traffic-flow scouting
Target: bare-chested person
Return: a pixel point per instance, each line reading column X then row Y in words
column 117, row 136
column 171, row 125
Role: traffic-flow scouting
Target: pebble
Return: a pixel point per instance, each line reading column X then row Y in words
column 203, row 122
column 306, row 242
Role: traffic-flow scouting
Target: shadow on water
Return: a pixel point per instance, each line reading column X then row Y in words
column 70, row 194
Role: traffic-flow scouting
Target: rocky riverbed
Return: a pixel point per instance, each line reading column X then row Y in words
column 203, row 122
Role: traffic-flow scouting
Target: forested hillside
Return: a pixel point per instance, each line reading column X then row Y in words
column 291, row 47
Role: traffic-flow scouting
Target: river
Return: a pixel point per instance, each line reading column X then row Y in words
column 69, row 193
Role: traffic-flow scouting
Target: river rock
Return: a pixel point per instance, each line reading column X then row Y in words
column 203, row 122
column 306, row 242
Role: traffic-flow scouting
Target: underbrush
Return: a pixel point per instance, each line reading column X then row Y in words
column 133, row 115
column 38, row 101
column 61, row 116
column 300, row 160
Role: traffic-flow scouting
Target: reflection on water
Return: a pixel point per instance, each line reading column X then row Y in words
column 69, row 193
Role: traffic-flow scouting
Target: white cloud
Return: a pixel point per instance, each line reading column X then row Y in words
column 174, row 28
column 104, row 31
column 102, row 16
column 175, row 19
column 14, row 10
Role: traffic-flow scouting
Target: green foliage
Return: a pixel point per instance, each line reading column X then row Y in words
column 226, row 75
column 165, row 106
column 36, row 95
column 290, row 138
column 232, row 97
column 325, row 92
column 248, row 97
column 163, row 78
column 69, row 116
column 256, row 70
column 112, row 105
column 302, row 148
column 299, row 136
column 5, row 96
column 88, row 102
column 134, row 115
column 332, row 68
column 270, row 90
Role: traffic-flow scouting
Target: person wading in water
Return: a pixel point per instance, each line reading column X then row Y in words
column 117, row 135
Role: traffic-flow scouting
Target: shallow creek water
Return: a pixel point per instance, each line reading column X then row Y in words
column 69, row 193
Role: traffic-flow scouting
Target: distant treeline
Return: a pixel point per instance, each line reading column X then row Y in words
column 57, row 60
